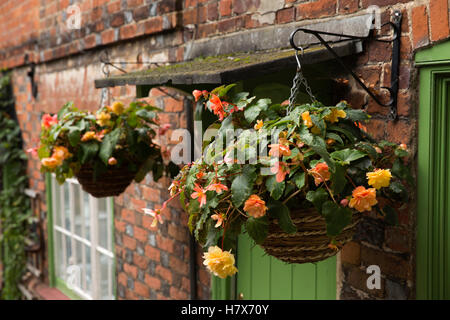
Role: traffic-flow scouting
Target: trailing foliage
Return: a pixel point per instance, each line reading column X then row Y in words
column 14, row 204
column 264, row 162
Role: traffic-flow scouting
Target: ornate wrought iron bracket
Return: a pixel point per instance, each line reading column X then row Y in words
column 393, row 90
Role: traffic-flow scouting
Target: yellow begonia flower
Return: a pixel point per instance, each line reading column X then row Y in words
column 103, row 119
column 335, row 115
column 379, row 178
column 220, row 263
column 307, row 119
column 118, row 107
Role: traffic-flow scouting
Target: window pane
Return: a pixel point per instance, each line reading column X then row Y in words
column 69, row 256
column 103, row 223
column 87, row 211
column 77, row 210
column 88, row 269
column 58, row 255
column 66, row 206
column 106, row 264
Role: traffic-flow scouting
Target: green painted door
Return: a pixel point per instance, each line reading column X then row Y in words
column 433, row 214
column 263, row 277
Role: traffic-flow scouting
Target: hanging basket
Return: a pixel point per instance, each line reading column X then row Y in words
column 310, row 242
column 111, row 183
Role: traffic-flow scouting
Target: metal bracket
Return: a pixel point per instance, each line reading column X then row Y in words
column 393, row 90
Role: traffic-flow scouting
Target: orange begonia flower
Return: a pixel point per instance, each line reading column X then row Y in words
column 320, row 173
column 281, row 170
column 255, row 206
column 363, row 199
column 278, row 150
column 217, row 187
column 200, row 195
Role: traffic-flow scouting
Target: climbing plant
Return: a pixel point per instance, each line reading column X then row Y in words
column 14, row 204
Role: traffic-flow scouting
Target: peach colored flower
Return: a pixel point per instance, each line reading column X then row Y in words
column 48, row 120
column 217, row 187
column 259, row 124
column 378, row 150
column 220, row 263
column 51, row 162
column 61, row 153
column 281, row 170
column 200, row 195
column 219, row 218
column 217, row 106
column 363, row 199
column 344, row 202
column 156, row 214
column 320, row 173
column 379, row 178
column 278, row 150
column 112, row 161
column 403, row 146
column 197, row 94
column 255, row 206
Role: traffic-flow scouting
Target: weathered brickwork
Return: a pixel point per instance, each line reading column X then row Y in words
column 153, row 264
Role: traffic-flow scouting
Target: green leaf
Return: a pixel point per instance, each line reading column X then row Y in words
column 334, row 136
column 347, row 155
column 279, row 211
column 299, row 179
column 88, row 151
column 399, row 152
column 109, row 144
column 257, row 229
column 74, row 137
column 242, row 185
column 338, row 179
column 275, row 188
column 253, row 111
column 357, row 115
column 317, row 198
column 336, row 217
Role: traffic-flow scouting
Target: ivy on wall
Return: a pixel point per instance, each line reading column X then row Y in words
column 14, row 204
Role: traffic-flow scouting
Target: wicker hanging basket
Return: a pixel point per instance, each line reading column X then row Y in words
column 111, row 183
column 310, row 242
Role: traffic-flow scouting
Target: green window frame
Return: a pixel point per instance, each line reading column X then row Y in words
column 433, row 208
column 81, row 255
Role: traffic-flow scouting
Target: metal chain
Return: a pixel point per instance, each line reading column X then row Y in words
column 299, row 79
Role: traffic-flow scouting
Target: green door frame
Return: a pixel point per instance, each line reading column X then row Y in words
column 433, row 214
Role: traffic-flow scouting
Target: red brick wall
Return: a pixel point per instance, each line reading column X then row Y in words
column 153, row 264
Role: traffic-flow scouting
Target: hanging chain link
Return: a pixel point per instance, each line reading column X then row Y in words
column 299, row 80
column 105, row 97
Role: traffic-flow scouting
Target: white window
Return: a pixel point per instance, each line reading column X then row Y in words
column 83, row 248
